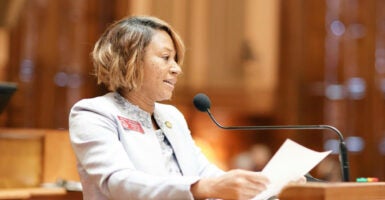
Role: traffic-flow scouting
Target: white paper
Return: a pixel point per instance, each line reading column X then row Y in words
column 289, row 163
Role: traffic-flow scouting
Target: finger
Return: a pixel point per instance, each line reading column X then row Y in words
column 257, row 183
column 258, row 177
column 302, row 179
column 252, row 190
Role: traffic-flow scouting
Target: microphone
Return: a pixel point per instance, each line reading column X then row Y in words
column 203, row 104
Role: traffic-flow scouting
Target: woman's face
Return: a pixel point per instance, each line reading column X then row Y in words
column 160, row 68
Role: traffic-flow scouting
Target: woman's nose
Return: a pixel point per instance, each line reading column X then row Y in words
column 176, row 69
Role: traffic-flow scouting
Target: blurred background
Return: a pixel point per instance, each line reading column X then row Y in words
column 275, row 62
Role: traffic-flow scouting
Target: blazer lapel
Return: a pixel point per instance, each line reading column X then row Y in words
column 177, row 142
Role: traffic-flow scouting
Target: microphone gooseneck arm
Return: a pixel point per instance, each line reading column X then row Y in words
column 343, row 156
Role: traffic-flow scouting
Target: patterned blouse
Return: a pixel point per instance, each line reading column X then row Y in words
column 168, row 152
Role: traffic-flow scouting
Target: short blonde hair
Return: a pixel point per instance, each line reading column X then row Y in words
column 118, row 54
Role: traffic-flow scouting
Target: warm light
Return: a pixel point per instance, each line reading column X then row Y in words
column 212, row 154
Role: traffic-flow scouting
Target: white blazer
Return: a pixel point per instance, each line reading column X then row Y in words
column 119, row 155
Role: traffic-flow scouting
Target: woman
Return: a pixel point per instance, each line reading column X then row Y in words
column 127, row 144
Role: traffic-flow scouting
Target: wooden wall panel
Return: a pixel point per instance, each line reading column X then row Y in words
column 49, row 59
column 335, row 41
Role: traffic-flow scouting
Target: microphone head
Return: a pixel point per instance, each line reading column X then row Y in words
column 202, row 102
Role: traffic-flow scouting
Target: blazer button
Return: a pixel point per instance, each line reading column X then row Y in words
column 168, row 124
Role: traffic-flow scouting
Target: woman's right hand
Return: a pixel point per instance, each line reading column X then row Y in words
column 235, row 184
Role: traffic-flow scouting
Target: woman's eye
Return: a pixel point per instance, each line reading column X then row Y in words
column 166, row 57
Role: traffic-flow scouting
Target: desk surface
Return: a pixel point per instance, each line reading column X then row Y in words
column 38, row 193
column 334, row 191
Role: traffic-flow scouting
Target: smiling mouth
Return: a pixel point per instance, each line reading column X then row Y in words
column 169, row 83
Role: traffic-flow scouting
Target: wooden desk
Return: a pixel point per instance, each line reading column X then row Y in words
column 34, row 157
column 40, row 194
column 334, row 191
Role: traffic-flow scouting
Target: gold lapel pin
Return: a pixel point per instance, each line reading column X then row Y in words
column 168, row 124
